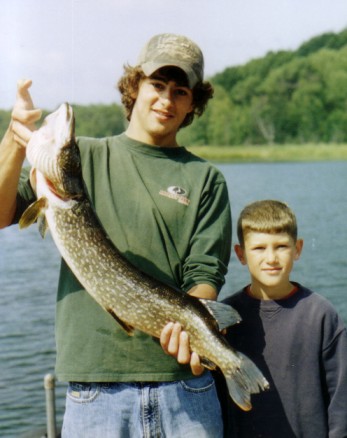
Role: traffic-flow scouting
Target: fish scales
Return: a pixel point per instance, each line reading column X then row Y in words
column 74, row 232
column 135, row 300
column 108, row 277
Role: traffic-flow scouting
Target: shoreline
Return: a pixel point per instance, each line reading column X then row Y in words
column 272, row 154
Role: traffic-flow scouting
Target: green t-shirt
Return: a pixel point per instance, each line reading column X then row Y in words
column 167, row 211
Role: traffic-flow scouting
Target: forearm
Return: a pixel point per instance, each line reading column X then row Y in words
column 205, row 291
column 12, row 156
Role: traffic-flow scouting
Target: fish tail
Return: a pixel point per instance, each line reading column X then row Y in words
column 243, row 380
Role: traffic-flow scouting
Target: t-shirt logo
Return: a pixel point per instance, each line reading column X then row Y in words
column 177, row 193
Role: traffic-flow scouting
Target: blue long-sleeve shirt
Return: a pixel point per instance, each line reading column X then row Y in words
column 300, row 345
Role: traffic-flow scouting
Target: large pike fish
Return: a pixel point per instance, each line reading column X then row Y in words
column 134, row 300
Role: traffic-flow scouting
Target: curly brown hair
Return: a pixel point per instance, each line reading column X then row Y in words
column 128, row 86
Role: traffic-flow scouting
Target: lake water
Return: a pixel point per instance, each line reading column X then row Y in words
column 29, row 269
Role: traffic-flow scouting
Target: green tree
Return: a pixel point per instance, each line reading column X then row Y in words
column 5, row 117
column 99, row 120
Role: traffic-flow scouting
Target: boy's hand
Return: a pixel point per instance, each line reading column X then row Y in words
column 175, row 342
column 24, row 115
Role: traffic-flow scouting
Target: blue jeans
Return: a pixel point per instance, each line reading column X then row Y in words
column 188, row 409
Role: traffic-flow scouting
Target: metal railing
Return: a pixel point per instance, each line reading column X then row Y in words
column 49, row 385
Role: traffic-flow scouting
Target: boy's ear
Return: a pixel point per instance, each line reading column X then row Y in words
column 134, row 94
column 299, row 246
column 239, row 251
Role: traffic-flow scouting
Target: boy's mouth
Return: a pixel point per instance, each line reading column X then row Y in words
column 164, row 115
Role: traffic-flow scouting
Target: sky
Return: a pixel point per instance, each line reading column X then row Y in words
column 74, row 50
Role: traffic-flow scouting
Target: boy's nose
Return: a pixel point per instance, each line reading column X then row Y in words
column 167, row 95
column 271, row 256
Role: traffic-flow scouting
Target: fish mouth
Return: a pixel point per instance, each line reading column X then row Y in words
column 53, row 189
column 52, row 150
column 49, row 183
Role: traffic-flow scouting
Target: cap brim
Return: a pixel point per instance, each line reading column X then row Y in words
column 150, row 67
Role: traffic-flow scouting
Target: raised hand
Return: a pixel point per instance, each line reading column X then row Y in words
column 24, row 115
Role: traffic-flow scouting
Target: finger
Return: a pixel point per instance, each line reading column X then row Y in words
column 183, row 355
column 173, row 345
column 22, row 134
column 23, row 95
column 165, row 336
column 23, row 109
column 20, row 141
column 26, row 116
column 195, row 364
column 23, row 84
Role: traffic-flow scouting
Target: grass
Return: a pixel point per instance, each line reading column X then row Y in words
column 274, row 153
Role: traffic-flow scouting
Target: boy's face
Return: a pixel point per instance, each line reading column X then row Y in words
column 270, row 259
column 161, row 106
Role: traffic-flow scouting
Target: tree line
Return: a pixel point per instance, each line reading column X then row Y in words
column 91, row 121
column 287, row 96
column 284, row 97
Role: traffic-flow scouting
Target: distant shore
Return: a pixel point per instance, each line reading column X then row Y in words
column 275, row 153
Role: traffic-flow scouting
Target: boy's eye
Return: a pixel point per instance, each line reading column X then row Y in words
column 181, row 92
column 158, row 85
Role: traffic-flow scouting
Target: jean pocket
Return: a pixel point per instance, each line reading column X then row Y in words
column 82, row 392
column 199, row 384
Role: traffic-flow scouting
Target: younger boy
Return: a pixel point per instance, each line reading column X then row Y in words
column 292, row 334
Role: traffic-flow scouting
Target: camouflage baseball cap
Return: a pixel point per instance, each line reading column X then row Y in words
column 176, row 50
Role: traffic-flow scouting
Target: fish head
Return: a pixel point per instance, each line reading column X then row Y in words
column 53, row 151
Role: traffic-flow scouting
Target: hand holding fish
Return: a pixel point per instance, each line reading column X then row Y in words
column 24, row 115
column 175, row 342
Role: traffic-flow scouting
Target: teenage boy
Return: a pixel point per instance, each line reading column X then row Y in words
column 293, row 334
column 168, row 212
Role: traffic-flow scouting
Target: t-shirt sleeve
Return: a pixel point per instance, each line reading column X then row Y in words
column 210, row 245
column 25, row 194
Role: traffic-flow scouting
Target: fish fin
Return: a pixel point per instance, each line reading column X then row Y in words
column 43, row 226
column 244, row 380
column 224, row 314
column 208, row 363
column 32, row 213
column 126, row 327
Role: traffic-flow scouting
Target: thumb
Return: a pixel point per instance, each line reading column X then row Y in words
column 23, row 98
column 23, row 110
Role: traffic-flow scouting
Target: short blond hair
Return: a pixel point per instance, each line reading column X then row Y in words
column 266, row 216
